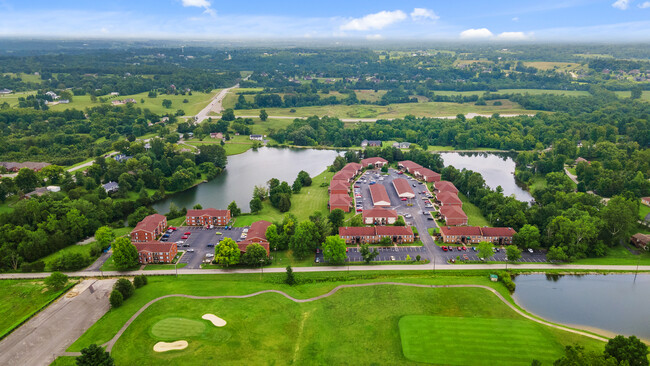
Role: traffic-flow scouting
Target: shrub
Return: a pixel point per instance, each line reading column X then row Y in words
column 290, row 280
column 116, row 299
column 507, row 281
column 139, row 281
column 56, row 281
column 125, row 287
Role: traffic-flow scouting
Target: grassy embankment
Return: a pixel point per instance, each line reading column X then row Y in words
column 474, row 215
column 258, row 333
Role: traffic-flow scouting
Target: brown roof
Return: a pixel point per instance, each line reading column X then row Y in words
column 645, row 199
column 28, row 164
column 243, row 244
column 357, row 231
column 452, row 212
column 258, row 229
column 150, row 223
column 339, row 185
column 373, row 161
column 498, row 231
column 449, row 198
column 379, row 212
column 461, row 230
column 343, row 175
column 394, row 230
column 409, row 165
column 154, row 246
column 340, row 199
column 378, row 194
column 641, row 238
column 402, row 186
column 212, row 212
column 444, row 185
column 425, row 172
column 355, row 166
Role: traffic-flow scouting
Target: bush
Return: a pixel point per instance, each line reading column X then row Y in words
column 507, row 281
column 116, row 299
column 69, row 262
column 38, row 266
column 125, row 287
column 56, row 281
column 139, row 281
column 290, row 280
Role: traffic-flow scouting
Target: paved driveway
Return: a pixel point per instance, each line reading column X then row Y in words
column 49, row 333
column 201, row 242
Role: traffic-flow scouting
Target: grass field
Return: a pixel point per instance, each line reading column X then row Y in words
column 570, row 93
column 436, row 339
column 155, row 267
column 538, row 182
column 353, row 326
column 626, row 94
column 196, row 102
column 618, row 256
column 547, row 65
column 643, row 211
column 236, row 144
column 20, row 299
column 474, row 215
column 72, row 249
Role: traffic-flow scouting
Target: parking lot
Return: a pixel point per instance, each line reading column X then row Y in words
column 201, row 242
column 385, row 254
column 526, row 257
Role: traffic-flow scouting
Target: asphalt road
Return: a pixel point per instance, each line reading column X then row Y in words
column 54, row 329
column 196, row 245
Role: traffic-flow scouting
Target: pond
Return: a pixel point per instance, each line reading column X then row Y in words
column 245, row 171
column 496, row 169
column 615, row 303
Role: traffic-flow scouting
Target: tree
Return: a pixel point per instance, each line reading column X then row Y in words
column 198, row 206
column 290, row 279
column 297, row 185
column 26, row 180
column 636, row 94
column 125, row 255
column 255, row 205
column 619, row 216
column 513, row 253
column 334, row 249
column 116, row 299
column 228, row 115
column 527, row 237
column 304, row 239
column 272, row 236
column 125, row 287
column 384, row 169
column 56, row 281
column 577, row 356
column 255, row 255
column 367, row 254
column 227, row 253
column 629, row 349
column 304, row 178
column 336, row 218
column 284, row 202
column 104, row 236
column 400, row 221
column 234, row 210
column 94, row 355
column 556, row 254
column 263, row 115
column 139, row 281
column 386, row 241
column 485, row 250
column 356, row 221
column 167, row 103
column 261, row 192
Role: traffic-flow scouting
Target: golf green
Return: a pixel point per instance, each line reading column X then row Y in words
column 475, row 341
column 177, row 328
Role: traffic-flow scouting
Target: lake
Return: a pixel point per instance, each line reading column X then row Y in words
column 615, row 303
column 245, row 171
column 496, row 169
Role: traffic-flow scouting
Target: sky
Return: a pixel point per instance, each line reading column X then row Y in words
column 372, row 20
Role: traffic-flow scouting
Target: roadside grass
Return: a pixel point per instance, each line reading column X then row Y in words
column 474, row 215
column 71, row 249
column 618, row 255
column 20, row 300
column 65, row 361
column 156, row 267
column 196, row 102
column 109, row 265
column 643, row 211
column 495, row 341
column 258, row 333
column 285, row 258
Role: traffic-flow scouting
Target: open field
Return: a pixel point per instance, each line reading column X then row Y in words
column 20, row 299
column 547, row 65
column 626, row 94
column 538, row 182
column 12, row 99
column 72, row 249
column 236, row 144
column 258, row 332
column 436, row 339
column 618, row 255
column 196, row 102
column 474, row 215
column 643, row 211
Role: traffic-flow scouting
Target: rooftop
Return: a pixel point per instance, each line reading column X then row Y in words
column 150, row 223
column 154, row 246
column 461, row 230
column 448, row 198
column 258, row 229
column 444, row 185
column 378, row 194
column 379, row 212
column 208, row 211
column 368, row 161
column 402, row 186
column 409, row 165
column 454, row 212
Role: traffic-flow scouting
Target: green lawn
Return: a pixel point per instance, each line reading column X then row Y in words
column 72, row 249
column 643, row 211
column 155, row 267
column 236, row 145
column 353, row 326
column 109, row 265
column 538, row 182
column 12, row 99
column 442, row 340
column 618, row 256
column 65, row 361
column 284, row 258
column 20, row 300
column 474, row 215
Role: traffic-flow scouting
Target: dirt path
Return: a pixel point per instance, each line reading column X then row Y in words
column 49, row 333
column 109, row 345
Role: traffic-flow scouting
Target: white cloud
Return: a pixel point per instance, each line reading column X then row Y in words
column 422, row 14
column 621, row 4
column 515, row 19
column 374, row 37
column 481, row 33
column 645, row 5
column 512, row 36
column 374, row 21
column 205, row 4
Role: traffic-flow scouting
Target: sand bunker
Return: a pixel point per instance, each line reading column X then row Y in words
column 169, row 346
column 218, row 322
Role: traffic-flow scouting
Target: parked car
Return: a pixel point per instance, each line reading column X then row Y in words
column 190, row 250
column 444, row 248
column 185, row 245
column 464, row 247
column 530, row 250
column 465, row 257
column 210, row 245
column 184, row 237
column 425, row 212
column 164, row 239
column 474, row 249
column 400, row 172
column 430, row 218
column 403, row 198
column 188, row 233
column 414, row 185
column 165, row 236
column 172, row 228
column 392, row 257
column 357, row 186
column 218, row 233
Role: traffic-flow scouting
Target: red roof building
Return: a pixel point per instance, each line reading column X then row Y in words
column 498, row 235
column 373, row 234
column 155, row 252
column 645, row 201
column 379, row 216
column 448, row 198
column 426, row 175
column 208, row 216
column 408, row 166
column 461, row 234
column 379, row 196
column 399, row 234
column 362, row 234
column 377, row 162
column 149, row 228
column 444, row 186
column 403, row 188
column 353, row 167
column 256, row 235
column 340, row 201
column 339, row 186
column 344, row 175
column 453, row 215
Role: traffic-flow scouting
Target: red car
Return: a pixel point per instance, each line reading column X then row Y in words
column 444, row 248
column 184, row 237
column 400, row 172
column 404, row 199
column 464, row 247
column 357, row 186
column 172, row 228
column 188, row 233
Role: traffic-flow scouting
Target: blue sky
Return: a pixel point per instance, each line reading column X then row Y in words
column 473, row 20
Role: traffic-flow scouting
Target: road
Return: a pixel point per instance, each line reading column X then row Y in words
column 215, row 105
column 86, row 165
column 54, row 329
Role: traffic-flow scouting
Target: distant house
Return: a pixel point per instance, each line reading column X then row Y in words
column 371, row 143
column 377, row 162
column 5, row 91
column 149, row 228
column 54, row 188
column 129, row 100
column 118, row 102
column 582, row 160
column 120, row 158
column 14, row 167
column 256, row 137
column 208, row 216
column 427, row 175
column 641, row 241
column 402, row 145
column 37, row 192
column 409, row 166
column 114, row 94
column 147, row 146
column 156, row 252
column 645, row 201
column 256, row 235
column 64, row 101
column 111, row 187
column 52, row 95
column 216, row 135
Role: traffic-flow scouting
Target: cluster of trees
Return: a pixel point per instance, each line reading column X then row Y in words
column 227, row 254
column 303, row 237
column 124, row 289
column 619, row 351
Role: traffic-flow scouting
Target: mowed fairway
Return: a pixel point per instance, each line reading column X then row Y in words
column 475, row 341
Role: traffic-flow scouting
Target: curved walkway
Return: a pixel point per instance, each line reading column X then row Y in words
column 109, row 345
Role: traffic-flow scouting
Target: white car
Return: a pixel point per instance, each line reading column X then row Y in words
column 530, row 250
column 190, row 250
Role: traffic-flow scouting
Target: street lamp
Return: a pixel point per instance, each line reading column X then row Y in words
column 261, row 267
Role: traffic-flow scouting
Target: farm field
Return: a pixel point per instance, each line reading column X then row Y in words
column 270, row 328
column 12, row 98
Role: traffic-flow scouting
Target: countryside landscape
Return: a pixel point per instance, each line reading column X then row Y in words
column 190, row 182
